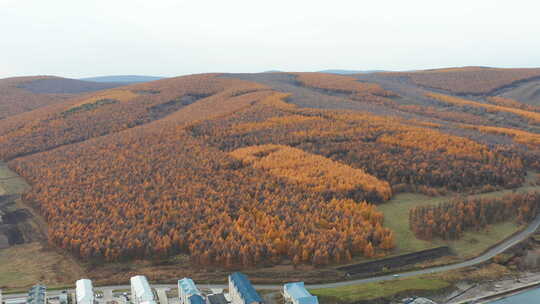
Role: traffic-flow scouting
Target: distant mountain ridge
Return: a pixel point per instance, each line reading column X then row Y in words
column 127, row 79
column 59, row 85
column 349, row 72
column 23, row 94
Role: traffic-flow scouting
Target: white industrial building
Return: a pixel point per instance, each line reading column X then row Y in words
column 186, row 289
column 84, row 291
column 141, row 293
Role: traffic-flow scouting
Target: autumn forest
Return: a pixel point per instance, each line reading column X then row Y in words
column 242, row 170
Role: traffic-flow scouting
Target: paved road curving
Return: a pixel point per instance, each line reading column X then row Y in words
column 513, row 240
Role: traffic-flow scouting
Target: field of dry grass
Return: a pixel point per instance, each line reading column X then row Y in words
column 27, row 264
column 435, row 286
column 10, row 182
column 380, row 290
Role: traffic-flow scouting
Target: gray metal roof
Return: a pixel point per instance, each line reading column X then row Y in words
column 217, row 299
column 36, row 295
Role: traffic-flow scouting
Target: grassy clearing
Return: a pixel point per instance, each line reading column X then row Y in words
column 28, row 264
column 487, row 272
column 371, row 291
column 5, row 172
column 418, row 285
column 396, row 212
column 24, row 265
column 472, row 242
column 10, row 182
column 531, row 178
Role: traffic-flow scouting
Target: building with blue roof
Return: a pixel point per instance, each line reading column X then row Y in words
column 241, row 291
column 187, row 289
column 297, row 293
column 196, row 299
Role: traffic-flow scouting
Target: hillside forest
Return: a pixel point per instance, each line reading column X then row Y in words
column 244, row 170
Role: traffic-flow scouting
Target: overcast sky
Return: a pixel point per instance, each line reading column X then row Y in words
column 78, row 38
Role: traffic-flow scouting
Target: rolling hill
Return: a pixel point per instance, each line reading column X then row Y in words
column 124, row 79
column 22, row 94
column 349, row 72
column 469, row 80
column 244, row 170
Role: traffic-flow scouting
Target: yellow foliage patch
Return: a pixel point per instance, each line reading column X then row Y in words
column 362, row 91
column 337, row 83
column 216, row 106
column 275, row 121
column 532, row 116
column 527, row 138
column 277, row 101
column 317, row 172
column 115, row 94
column 505, row 102
column 434, row 141
column 397, row 133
